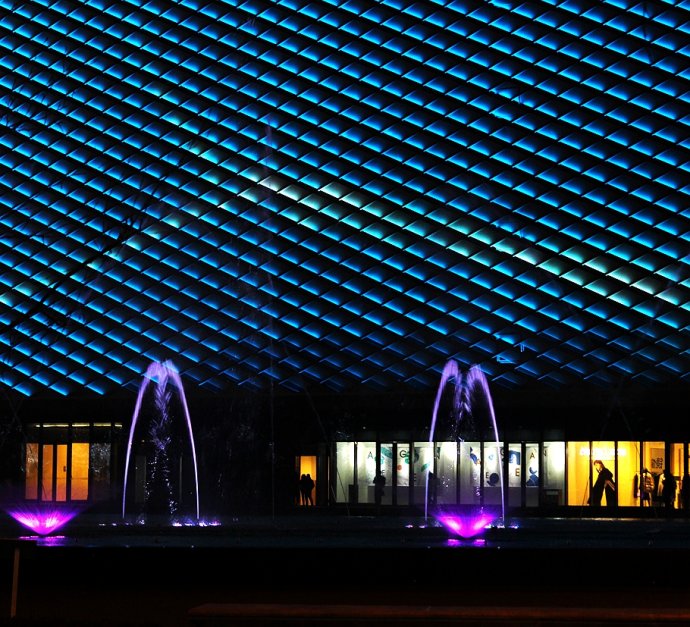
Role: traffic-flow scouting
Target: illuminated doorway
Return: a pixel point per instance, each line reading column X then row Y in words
column 57, row 472
column 306, row 465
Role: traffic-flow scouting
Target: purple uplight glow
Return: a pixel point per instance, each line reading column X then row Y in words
column 42, row 518
column 161, row 374
column 465, row 525
column 467, row 387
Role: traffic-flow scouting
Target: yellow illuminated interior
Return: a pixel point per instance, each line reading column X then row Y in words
column 61, row 473
column 55, row 467
column 628, row 464
column 47, row 475
column 578, row 473
column 80, row 471
column 307, row 465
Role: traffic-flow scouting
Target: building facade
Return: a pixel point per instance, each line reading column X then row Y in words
column 82, row 462
column 529, row 474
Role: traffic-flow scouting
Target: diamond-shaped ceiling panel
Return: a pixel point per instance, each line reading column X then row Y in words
column 344, row 193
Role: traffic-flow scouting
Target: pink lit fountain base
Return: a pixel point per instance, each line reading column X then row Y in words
column 42, row 518
column 469, row 525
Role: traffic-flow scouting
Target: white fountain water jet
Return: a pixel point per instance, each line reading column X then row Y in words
column 162, row 375
column 464, row 388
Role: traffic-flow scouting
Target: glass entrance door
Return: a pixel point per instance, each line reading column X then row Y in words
column 54, row 473
column 47, row 470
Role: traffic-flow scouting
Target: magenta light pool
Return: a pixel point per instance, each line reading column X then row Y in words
column 465, row 526
column 42, row 518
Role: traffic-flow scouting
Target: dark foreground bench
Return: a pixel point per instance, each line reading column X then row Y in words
column 296, row 615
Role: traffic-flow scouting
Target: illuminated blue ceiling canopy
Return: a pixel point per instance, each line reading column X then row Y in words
column 343, row 194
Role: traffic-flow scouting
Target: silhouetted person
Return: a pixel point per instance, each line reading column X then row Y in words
column 646, row 488
column 603, row 484
column 306, row 487
column 685, row 492
column 310, row 488
column 379, row 484
column 668, row 489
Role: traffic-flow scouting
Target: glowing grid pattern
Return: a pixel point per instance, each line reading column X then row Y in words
column 343, row 193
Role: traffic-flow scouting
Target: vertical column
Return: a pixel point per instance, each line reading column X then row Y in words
column 542, row 472
column 68, row 478
column 355, row 484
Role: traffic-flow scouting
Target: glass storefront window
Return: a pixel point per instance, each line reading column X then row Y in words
column 446, row 464
column 514, row 466
column 654, row 456
column 514, row 487
column 578, row 472
column 403, row 475
column 61, row 472
column 675, row 467
column 79, row 472
column 366, row 471
column 531, row 474
column 422, row 466
column 676, row 461
column 654, row 460
column 605, row 451
column 345, row 471
column 31, row 471
column 70, row 461
column 47, row 473
column 493, row 483
column 387, row 472
column 58, row 462
column 553, row 478
column 684, row 484
column 99, row 458
column 627, row 469
column 470, row 473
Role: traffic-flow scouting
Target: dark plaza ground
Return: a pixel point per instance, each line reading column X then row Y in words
column 321, row 568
